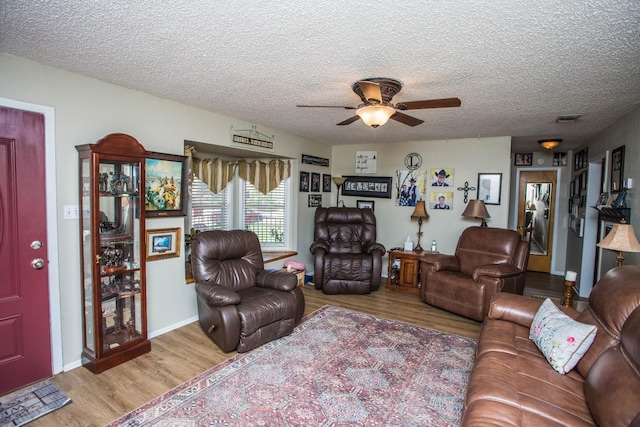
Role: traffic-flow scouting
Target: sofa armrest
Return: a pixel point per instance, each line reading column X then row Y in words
column 439, row 262
column 498, row 271
column 513, row 308
column 217, row 295
column 319, row 244
column 519, row 309
column 277, row 279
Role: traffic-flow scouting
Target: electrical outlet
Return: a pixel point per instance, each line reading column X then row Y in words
column 71, row 212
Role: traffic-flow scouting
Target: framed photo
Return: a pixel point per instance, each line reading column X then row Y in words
column 560, row 159
column 411, row 186
column 523, row 159
column 441, row 177
column 617, row 169
column 441, row 200
column 315, row 182
column 315, row 200
column 326, row 183
column 365, row 204
column 163, row 243
column 580, row 159
column 490, row 188
column 304, row 181
column 603, row 200
column 619, row 202
column 371, row 186
column 166, row 179
column 583, row 180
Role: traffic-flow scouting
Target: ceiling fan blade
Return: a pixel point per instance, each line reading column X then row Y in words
column 407, row 120
column 327, row 106
column 371, row 91
column 349, row 121
column 429, row 103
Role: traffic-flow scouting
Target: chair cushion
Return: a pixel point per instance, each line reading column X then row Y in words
column 228, row 258
column 263, row 306
column 479, row 246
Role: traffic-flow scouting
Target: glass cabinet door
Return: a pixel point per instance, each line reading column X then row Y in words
column 119, row 254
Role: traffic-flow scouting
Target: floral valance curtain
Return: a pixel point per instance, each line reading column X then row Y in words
column 217, row 173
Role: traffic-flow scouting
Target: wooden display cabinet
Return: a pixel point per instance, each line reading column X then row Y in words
column 112, row 227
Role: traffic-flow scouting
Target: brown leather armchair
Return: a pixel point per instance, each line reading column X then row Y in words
column 347, row 258
column 240, row 304
column 487, row 261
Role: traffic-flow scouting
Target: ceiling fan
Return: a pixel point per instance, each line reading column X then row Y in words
column 376, row 108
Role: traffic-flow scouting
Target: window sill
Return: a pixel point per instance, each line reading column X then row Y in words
column 268, row 256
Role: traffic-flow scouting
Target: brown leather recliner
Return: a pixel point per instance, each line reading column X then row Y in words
column 240, row 304
column 487, row 261
column 347, row 258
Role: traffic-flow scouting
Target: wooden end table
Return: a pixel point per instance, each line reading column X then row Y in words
column 403, row 273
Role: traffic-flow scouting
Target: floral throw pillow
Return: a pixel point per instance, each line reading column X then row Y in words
column 562, row 340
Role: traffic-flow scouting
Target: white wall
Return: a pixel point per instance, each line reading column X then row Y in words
column 467, row 156
column 625, row 131
column 85, row 111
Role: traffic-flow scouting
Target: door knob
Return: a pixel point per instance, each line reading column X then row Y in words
column 36, row 244
column 37, row 263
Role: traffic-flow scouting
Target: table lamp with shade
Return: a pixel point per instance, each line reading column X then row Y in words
column 621, row 238
column 477, row 209
column 339, row 181
column 419, row 213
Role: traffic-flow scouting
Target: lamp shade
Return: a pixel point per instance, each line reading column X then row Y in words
column 621, row 238
column 375, row 115
column 338, row 180
column 420, row 212
column 476, row 209
column 549, row 144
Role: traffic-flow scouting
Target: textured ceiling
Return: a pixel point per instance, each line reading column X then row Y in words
column 516, row 65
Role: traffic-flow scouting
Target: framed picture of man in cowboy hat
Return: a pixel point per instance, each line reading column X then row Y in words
column 442, row 177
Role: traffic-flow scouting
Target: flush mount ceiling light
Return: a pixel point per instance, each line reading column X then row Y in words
column 550, row 144
column 375, row 115
column 568, row 118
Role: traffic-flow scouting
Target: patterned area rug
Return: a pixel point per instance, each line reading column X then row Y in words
column 27, row 404
column 337, row 368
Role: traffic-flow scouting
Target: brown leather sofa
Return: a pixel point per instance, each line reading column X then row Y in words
column 487, row 260
column 512, row 384
column 240, row 304
column 347, row 258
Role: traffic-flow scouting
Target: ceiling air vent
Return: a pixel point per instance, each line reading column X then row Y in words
column 569, row 118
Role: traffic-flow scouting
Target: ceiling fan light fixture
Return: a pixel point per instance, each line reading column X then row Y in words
column 549, row 144
column 375, row 115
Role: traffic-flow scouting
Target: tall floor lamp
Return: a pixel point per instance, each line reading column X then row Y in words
column 621, row 238
column 339, row 181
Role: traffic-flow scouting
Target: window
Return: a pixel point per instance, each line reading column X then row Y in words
column 266, row 215
column 208, row 211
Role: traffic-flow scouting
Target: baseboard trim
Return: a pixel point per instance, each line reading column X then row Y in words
column 78, row 363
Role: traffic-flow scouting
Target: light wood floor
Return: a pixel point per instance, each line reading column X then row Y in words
column 183, row 353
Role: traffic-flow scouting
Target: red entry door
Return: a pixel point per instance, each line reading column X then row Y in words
column 25, row 339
